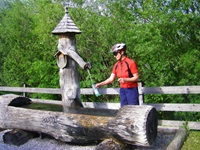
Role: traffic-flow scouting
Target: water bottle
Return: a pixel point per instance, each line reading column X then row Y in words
column 96, row 92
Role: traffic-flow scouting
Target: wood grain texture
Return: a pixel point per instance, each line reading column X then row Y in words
column 111, row 91
column 179, row 139
column 136, row 125
column 69, row 82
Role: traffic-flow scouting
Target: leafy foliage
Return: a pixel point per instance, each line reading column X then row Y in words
column 162, row 36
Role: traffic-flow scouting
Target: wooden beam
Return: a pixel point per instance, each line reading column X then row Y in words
column 31, row 90
column 111, row 91
column 172, row 123
column 172, row 90
column 159, row 107
column 45, row 101
column 176, row 107
column 178, row 140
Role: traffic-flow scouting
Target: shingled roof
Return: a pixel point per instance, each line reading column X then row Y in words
column 66, row 25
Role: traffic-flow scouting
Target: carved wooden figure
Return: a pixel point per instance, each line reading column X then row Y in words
column 67, row 59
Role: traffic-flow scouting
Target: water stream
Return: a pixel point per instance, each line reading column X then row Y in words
column 90, row 76
column 95, row 90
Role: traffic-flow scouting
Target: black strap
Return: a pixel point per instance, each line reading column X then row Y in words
column 129, row 71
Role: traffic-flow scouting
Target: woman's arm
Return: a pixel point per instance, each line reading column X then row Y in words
column 107, row 81
column 135, row 78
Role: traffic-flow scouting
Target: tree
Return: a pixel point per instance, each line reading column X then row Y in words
column 15, row 29
column 28, row 45
column 162, row 36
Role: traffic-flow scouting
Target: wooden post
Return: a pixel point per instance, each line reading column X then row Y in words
column 24, row 86
column 69, row 82
column 136, row 125
column 68, row 58
column 141, row 94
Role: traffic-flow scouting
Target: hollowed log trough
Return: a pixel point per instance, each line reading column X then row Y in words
column 135, row 125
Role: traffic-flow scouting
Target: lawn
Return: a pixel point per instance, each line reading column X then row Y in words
column 192, row 142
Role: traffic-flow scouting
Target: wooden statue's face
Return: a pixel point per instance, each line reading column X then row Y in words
column 66, row 42
column 63, row 43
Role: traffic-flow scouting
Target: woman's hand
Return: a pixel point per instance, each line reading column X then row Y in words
column 121, row 80
column 97, row 85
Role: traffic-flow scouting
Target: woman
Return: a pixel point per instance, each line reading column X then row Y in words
column 125, row 69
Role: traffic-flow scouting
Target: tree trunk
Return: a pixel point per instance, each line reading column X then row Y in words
column 69, row 82
column 136, row 125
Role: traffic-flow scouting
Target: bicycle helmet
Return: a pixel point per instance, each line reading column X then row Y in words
column 118, row 47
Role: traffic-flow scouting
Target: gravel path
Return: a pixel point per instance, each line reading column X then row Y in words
column 162, row 141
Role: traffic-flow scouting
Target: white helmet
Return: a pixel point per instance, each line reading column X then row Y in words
column 118, row 47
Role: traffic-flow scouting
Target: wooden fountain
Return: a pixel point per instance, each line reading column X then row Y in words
column 134, row 125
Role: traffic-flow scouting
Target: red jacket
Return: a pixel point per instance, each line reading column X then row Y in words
column 125, row 69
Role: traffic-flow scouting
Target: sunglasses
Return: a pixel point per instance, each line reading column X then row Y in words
column 115, row 53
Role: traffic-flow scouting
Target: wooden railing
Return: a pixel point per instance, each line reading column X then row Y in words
column 142, row 91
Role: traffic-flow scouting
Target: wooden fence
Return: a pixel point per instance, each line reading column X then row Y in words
column 178, row 107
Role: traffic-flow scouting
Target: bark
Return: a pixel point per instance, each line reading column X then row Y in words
column 136, row 125
column 179, row 139
column 69, row 82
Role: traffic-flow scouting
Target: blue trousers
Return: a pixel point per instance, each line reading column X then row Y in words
column 129, row 96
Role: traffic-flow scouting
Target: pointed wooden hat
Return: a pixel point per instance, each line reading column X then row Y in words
column 66, row 25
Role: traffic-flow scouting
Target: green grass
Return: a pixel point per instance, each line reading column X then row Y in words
column 192, row 142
